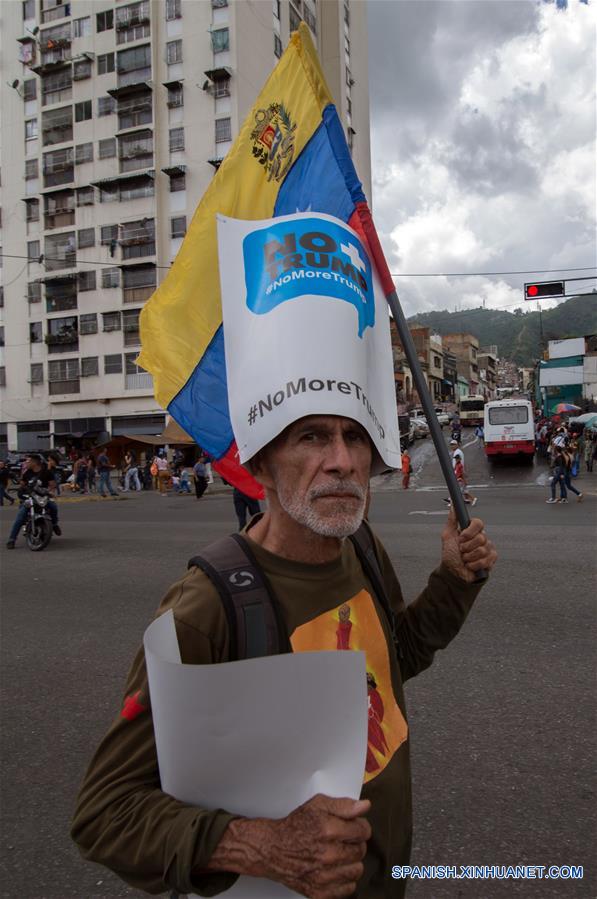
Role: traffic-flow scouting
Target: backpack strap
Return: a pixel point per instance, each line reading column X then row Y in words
column 364, row 545
column 255, row 623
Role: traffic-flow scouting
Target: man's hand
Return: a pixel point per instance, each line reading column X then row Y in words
column 469, row 551
column 317, row 850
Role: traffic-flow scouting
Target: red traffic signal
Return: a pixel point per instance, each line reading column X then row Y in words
column 543, row 289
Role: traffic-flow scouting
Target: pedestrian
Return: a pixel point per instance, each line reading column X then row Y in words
column 568, row 458
column 80, row 473
column 316, row 492
column 588, row 449
column 200, row 477
column 480, row 433
column 54, row 468
column 406, row 469
column 91, row 472
column 36, row 473
column 242, row 505
column 104, row 467
column 461, row 478
column 185, row 480
column 163, row 471
column 558, row 476
column 131, row 471
column 4, row 482
column 457, row 453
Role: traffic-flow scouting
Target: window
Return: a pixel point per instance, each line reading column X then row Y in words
column 173, row 52
column 88, row 323
column 137, row 189
column 31, row 169
column 276, row 5
column 108, row 233
column 28, row 9
column 2, row 376
column 56, row 87
column 58, row 167
column 63, row 369
column 35, row 332
column 105, row 63
column 60, row 251
column 135, row 150
column 33, row 250
column 86, row 280
column 130, row 365
column 111, row 321
column 175, row 96
column 89, row 366
column 178, row 226
column 137, row 59
column 295, row 19
column 31, row 129
column 110, row 277
column 223, row 130
column 83, row 153
column 85, row 196
column 36, row 375
column 82, row 27
column 32, row 210
column 130, row 326
column 113, row 365
column 2, row 335
column 310, row 19
column 57, row 126
column 219, row 4
column 34, row 292
column 86, row 238
column 176, row 139
column 30, row 89
column 132, row 22
column 83, row 111
column 107, row 148
column 108, row 193
column 137, row 238
column 82, row 69
column 220, row 40
column 508, row 415
column 277, row 46
column 106, row 106
column 173, row 10
column 177, row 182
column 104, row 20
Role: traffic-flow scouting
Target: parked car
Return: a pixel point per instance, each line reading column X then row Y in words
column 442, row 417
column 421, row 427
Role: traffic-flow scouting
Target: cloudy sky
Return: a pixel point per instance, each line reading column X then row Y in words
column 483, row 124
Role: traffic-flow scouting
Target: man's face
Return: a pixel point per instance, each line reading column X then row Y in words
column 319, row 468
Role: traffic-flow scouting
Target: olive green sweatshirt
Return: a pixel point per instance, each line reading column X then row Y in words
column 123, row 819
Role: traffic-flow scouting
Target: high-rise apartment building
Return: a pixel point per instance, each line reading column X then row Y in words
column 115, row 116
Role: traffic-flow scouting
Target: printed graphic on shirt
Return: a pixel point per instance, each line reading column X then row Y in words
column 356, row 625
column 133, row 706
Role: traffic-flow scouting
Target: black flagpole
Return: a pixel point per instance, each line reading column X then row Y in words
column 434, row 426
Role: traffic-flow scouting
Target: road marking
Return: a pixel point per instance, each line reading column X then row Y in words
column 423, row 512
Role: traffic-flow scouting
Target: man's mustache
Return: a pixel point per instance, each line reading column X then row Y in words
column 332, row 488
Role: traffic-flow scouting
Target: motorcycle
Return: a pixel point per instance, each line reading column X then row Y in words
column 38, row 526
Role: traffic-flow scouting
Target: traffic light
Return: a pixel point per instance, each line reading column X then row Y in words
column 543, row 289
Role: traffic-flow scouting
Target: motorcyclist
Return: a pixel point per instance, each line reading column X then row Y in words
column 36, row 473
column 456, row 428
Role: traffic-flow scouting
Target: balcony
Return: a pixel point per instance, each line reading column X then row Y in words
column 59, row 218
column 66, row 342
column 70, row 386
column 63, row 302
column 56, row 12
column 140, row 381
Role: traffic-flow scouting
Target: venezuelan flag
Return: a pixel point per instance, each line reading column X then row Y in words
column 290, row 155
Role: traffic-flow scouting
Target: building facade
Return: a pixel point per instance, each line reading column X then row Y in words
column 115, row 117
column 487, row 362
column 466, row 348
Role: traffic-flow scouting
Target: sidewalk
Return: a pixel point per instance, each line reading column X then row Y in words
column 68, row 496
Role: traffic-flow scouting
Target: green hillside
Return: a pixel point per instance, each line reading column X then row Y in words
column 517, row 334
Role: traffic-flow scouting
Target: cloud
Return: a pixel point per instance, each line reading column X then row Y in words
column 483, row 143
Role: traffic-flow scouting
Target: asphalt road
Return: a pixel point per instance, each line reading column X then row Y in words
column 502, row 726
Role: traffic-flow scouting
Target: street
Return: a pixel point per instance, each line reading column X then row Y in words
column 502, row 726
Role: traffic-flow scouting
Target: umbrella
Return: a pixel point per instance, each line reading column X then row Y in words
column 566, row 407
column 587, row 419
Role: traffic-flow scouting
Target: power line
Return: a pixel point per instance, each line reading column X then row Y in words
column 545, row 271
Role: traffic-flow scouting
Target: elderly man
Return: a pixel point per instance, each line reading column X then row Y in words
column 316, row 478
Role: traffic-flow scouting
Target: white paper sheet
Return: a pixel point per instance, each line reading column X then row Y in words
column 257, row 737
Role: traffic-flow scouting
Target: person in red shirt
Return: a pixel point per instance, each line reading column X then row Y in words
column 406, row 469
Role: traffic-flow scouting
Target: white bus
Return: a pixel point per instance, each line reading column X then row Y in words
column 509, row 428
column 470, row 409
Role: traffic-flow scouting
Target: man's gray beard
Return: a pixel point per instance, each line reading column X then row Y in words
column 341, row 524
